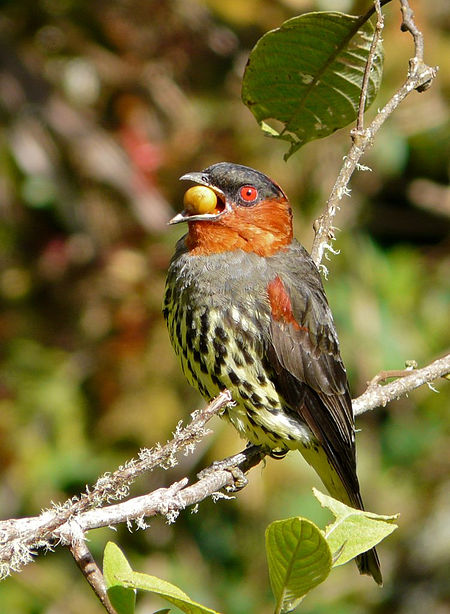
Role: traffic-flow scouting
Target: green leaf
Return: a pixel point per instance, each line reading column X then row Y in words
column 353, row 531
column 307, row 76
column 299, row 559
column 115, row 568
column 169, row 591
column 122, row 582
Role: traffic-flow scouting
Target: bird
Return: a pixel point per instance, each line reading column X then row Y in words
column 246, row 311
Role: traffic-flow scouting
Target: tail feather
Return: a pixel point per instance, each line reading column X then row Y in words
column 368, row 563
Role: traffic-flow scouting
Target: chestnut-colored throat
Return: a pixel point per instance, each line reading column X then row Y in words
column 263, row 229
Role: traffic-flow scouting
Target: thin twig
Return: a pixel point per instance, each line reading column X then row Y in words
column 390, row 373
column 89, row 567
column 420, row 77
column 408, row 25
column 369, row 64
column 379, row 396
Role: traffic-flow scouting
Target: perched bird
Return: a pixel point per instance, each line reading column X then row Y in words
column 246, row 310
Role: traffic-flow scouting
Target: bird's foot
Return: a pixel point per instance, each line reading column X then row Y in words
column 237, row 465
column 230, row 465
column 239, row 480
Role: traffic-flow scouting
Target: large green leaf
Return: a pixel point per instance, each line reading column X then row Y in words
column 353, row 531
column 308, row 73
column 299, row 559
column 115, row 567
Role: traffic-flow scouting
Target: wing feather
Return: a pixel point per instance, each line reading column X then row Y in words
column 310, row 375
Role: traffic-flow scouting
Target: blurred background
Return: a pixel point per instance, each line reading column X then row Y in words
column 103, row 105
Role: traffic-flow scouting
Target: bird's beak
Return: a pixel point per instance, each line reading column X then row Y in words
column 199, row 178
column 221, row 208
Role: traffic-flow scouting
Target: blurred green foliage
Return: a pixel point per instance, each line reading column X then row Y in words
column 103, row 106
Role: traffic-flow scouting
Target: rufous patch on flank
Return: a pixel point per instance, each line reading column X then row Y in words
column 280, row 304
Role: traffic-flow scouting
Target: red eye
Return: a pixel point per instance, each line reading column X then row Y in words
column 248, row 193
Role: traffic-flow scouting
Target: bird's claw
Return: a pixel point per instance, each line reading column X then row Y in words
column 229, row 465
column 239, row 480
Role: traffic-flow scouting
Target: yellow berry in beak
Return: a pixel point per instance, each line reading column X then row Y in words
column 199, row 200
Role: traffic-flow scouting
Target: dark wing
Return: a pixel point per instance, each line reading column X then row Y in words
column 309, row 372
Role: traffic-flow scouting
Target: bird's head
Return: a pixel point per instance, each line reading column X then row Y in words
column 236, row 207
